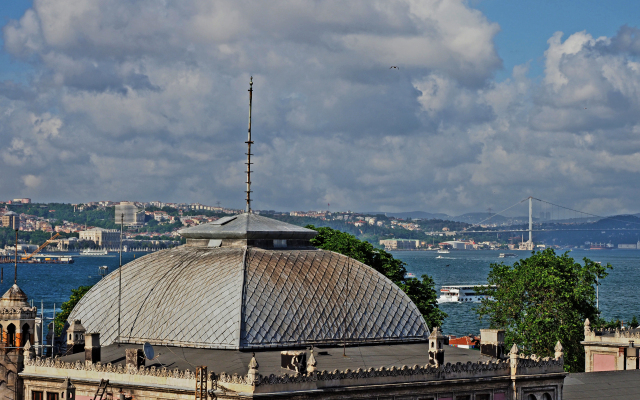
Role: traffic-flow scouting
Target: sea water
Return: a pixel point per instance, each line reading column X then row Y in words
column 618, row 294
column 619, row 297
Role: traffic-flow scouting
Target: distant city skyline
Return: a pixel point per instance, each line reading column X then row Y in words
column 492, row 102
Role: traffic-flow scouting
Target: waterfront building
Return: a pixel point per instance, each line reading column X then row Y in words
column 400, row 244
column 131, row 214
column 11, row 220
column 101, row 237
column 247, row 283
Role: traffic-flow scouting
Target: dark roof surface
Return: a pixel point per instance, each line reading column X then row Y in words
column 247, row 226
column 240, row 298
column 233, row 361
column 602, row 385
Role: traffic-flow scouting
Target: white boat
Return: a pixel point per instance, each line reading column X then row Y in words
column 439, row 257
column 460, row 294
column 410, row 275
column 506, row 255
column 443, row 251
column 92, row 252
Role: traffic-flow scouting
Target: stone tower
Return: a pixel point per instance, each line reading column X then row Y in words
column 436, row 347
column 17, row 324
column 75, row 337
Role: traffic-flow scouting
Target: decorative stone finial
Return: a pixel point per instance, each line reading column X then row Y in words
column 29, row 351
column 514, row 349
column 587, row 328
column 559, row 354
column 311, row 364
column 253, row 376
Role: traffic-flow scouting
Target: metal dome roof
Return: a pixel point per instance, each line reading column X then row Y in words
column 249, row 298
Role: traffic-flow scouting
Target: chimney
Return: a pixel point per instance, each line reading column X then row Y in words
column 92, row 347
column 631, row 356
column 492, row 343
column 135, row 358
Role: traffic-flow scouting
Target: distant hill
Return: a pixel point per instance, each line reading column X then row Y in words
column 474, row 218
column 417, row 214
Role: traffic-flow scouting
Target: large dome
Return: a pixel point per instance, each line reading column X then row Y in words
column 248, row 297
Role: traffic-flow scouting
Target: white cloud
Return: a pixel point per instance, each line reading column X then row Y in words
column 147, row 100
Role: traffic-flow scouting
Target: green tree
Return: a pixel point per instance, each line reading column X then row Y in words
column 421, row 292
column 67, row 307
column 541, row 300
column 634, row 322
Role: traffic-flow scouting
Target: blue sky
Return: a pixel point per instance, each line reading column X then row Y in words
column 10, row 68
column 527, row 25
column 146, row 100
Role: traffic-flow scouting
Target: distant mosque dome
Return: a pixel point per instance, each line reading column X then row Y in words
column 249, row 282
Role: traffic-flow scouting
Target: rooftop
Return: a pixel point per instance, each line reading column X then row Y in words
column 330, row 358
column 602, row 385
column 249, row 297
column 248, row 226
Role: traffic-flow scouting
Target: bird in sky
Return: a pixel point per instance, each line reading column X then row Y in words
column 393, row 66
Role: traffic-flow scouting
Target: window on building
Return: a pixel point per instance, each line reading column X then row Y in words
column 483, row 396
column 546, row 396
column 11, row 335
column 463, row 397
column 279, row 243
column 531, row 397
column 52, row 396
column 26, row 334
column 36, row 395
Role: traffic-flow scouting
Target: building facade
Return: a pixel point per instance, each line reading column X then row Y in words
column 400, row 244
column 101, row 237
column 129, row 214
column 11, row 220
column 610, row 349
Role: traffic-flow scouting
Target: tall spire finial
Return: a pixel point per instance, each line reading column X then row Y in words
column 249, row 143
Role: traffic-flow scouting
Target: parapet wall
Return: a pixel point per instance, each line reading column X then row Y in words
column 511, row 368
column 618, row 336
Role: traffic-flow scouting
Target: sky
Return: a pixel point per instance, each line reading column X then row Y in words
column 492, row 102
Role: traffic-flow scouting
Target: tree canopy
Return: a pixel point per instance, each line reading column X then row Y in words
column 67, row 307
column 421, row 292
column 541, row 300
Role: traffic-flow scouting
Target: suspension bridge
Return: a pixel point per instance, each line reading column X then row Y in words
column 555, row 216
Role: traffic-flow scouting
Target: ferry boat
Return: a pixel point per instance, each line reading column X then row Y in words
column 409, row 275
column 506, row 255
column 92, row 252
column 460, row 294
column 443, row 251
column 601, row 246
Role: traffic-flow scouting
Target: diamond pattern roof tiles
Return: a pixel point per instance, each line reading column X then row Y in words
column 223, row 298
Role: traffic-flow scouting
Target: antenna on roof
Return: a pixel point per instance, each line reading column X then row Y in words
column 249, row 143
column 15, row 273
